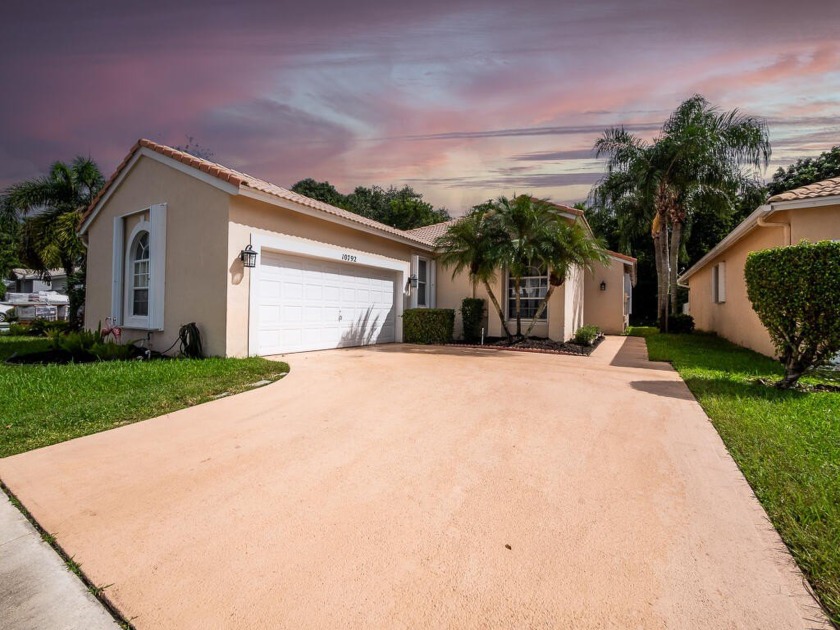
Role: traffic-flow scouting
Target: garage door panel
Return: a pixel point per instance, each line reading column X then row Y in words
column 309, row 304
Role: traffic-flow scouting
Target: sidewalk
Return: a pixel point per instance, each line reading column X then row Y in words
column 37, row 591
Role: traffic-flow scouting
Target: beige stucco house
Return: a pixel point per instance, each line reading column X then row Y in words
column 164, row 241
column 718, row 292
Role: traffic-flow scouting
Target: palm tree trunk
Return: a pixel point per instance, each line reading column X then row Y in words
column 676, row 241
column 498, row 308
column 516, row 286
column 659, row 238
column 541, row 309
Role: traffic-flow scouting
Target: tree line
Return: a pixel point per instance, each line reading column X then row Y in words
column 402, row 208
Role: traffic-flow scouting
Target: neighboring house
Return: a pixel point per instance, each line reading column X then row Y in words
column 28, row 281
column 164, row 242
column 718, row 292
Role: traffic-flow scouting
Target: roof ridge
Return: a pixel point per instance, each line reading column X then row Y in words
column 240, row 179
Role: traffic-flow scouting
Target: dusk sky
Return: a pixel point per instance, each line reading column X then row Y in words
column 462, row 100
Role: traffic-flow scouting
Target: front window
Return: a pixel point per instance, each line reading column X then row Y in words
column 139, row 276
column 422, row 281
column 532, row 289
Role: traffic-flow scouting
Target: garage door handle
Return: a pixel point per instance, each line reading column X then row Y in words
column 339, row 315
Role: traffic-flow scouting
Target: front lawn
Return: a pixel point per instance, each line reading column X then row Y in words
column 44, row 404
column 787, row 444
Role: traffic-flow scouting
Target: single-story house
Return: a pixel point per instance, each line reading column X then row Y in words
column 28, row 281
column 717, row 288
column 165, row 238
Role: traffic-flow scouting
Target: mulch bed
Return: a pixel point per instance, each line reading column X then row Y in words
column 534, row 344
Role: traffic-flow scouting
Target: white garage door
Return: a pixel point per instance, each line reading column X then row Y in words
column 312, row 304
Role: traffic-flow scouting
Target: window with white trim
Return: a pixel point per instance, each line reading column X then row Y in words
column 719, row 283
column 532, row 290
column 422, row 282
column 139, row 262
column 138, row 276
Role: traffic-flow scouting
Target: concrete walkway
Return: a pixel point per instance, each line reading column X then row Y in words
column 37, row 591
column 405, row 486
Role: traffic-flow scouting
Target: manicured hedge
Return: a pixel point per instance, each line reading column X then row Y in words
column 472, row 314
column 428, row 325
column 795, row 291
column 680, row 323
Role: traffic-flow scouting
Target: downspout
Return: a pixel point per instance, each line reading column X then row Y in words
column 762, row 222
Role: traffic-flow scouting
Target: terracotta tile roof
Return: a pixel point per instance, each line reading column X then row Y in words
column 429, row 233
column 629, row 259
column 569, row 209
column 238, row 179
column 825, row 188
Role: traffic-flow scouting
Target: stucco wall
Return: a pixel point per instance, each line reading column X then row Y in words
column 605, row 309
column 196, row 220
column 250, row 216
column 814, row 224
column 735, row 319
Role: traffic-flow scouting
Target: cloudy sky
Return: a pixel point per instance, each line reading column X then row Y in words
column 464, row 100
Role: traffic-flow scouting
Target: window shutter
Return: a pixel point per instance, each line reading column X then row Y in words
column 157, row 263
column 118, row 247
column 722, row 282
column 432, row 283
column 415, row 266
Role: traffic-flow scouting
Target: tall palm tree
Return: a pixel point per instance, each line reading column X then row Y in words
column 697, row 160
column 50, row 208
column 470, row 244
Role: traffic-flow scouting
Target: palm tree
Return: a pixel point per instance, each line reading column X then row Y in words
column 50, row 208
column 470, row 244
column 565, row 246
column 536, row 234
column 696, row 161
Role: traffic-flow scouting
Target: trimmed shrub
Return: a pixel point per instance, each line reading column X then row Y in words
column 472, row 314
column 428, row 325
column 680, row 323
column 795, row 291
column 44, row 327
column 586, row 335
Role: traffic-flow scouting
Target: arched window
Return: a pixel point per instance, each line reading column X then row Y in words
column 138, row 276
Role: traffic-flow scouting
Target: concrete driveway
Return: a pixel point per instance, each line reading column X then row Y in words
column 405, row 486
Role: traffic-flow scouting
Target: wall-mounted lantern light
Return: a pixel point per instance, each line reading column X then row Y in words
column 248, row 256
column 414, row 281
column 603, row 286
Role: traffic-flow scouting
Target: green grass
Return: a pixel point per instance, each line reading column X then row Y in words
column 787, row 443
column 44, row 404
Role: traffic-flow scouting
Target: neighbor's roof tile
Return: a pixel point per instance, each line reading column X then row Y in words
column 430, row 233
column 825, row 188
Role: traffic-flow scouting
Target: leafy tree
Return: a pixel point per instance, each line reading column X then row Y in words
column 50, row 208
column 806, row 171
column 402, row 208
column 694, row 164
column 322, row 191
column 795, row 291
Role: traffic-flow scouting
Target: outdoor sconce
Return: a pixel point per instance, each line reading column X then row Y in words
column 248, row 257
column 414, row 282
column 603, row 286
